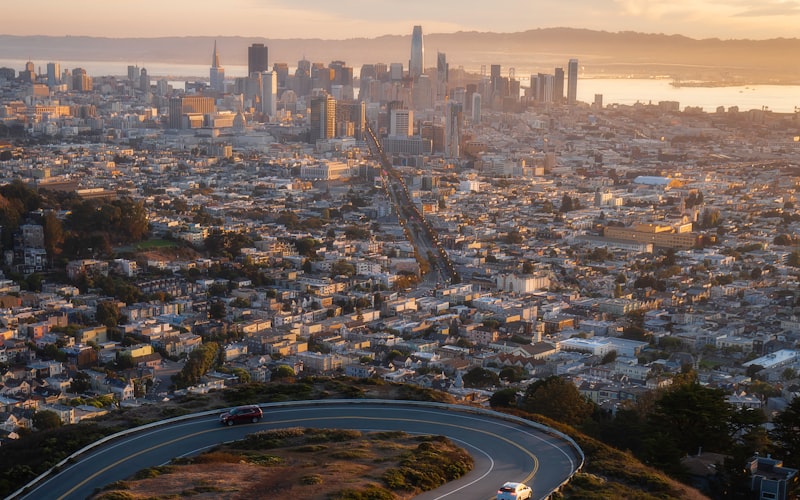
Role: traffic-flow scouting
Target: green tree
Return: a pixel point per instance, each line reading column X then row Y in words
column 691, row 416
column 567, row 204
column 559, row 399
column 512, row 373
column 342, row 267
column 786, row 434
column 200, row 361
column 53, row 234
column 46, row 419
column 504, row 398
column 217, row 310
column 107, row 313
column 282, row 372
column 480, row 377
column 81, row 382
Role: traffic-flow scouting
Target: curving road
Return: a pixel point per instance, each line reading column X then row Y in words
column 504, row 450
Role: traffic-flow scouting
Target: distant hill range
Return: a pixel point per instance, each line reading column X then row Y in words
column 600, row 53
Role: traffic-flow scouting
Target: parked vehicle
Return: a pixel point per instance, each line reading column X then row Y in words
column 514, row 491
column 250, row 413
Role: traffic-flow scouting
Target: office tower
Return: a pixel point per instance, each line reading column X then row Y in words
column 282, row 69
column 453, row 126
column 162, row 87
column 401, row 123
column 66, row 78
column 572, row 81
column 189, row 105
column 442, row 74
column 459, row 94
column 546, row 87
column 323, row 118
column 28, row 75
column 366, row 76
column 416, row 65
column 442, row 68
column 351, row 119
column 269, row 96
column 396, row 71
column 81, row 82
column 216, row 73
column 53, row 74
column 257, row 60
column 423, row 93
column 494, row 74
column 133, row 74
column 8, row 74
column 598, row 101
column 558, row 85
column 341, row 74
column 144, row 81
column 302, row 78
column 476, row 108
column 381, row 72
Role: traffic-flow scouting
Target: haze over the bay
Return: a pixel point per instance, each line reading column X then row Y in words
column 601, row 53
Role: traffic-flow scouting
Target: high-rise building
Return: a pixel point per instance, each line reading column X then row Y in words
column 558, row 85
column 442, row 74
column 401, row 123
column 269, row 96
column 381, row 71
column 302, row 78
column 416, row 65
column 476, row 108
column 322, row 118
column 442, row 68
column 216, row 73
column 282, row 69
column 572, row 81
column 189, row 105
column 133, row 73
column 28, row 75
column 53, row 74
column 396, row 71
column 494, row 73
column 351, row 119
column 144, row 80
column 366, row 76
column 454, row 124
column 81, row 82
column 257, row 58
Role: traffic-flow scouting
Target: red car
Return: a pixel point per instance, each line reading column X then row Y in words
column 251, row 413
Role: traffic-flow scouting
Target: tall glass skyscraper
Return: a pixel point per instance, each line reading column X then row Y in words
column 257, row 60
column 416, row 65
column 572, row 81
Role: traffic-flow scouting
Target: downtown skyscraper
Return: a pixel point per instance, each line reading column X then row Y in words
column 572, row 81
column 216, row 75
column 416, row 65
column 257, row 58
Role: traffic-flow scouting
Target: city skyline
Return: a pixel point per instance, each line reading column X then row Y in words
column 281, row 19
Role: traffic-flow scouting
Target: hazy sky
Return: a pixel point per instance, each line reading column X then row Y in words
column 757, row 19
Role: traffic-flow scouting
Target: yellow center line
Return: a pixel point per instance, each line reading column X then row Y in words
column 166, row 443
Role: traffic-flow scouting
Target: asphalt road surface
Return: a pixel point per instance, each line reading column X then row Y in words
column 503, row 450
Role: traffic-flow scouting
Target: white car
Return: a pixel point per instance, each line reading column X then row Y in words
column 514, row 491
